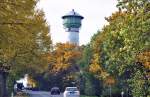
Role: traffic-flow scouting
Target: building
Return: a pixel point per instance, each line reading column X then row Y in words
column 26, row 81
column 23, row 80
column 72, row 24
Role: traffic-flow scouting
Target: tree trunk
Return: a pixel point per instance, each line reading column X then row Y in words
column 3, row 91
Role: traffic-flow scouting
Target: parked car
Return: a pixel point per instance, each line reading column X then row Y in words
column 55, row 92
column 71, row 91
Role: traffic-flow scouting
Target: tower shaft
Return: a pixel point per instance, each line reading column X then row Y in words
column 73, row 37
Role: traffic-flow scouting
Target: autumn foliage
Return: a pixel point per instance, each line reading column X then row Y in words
column 64, row 57
column 121, row 50
column 144, row 58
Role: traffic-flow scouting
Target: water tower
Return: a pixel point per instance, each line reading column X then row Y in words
column 72, row 24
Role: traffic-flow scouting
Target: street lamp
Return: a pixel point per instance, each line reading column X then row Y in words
column 73, row 83
column 110, row 90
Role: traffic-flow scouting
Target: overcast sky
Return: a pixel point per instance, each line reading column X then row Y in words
column 93, row 11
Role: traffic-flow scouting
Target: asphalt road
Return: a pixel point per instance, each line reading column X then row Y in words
column 41, row 94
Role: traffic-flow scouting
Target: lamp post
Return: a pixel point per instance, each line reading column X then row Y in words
column 110, row 81
column 110, row 90
column 73, row 83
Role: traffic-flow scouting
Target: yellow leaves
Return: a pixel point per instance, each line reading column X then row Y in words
column 68, row 45
column 147, row 65
column 96, row 58
column 109, row 80
column 59, row 67
column 144, row 58
column 104, row 74
column 95, row 68
column 9, row 53
column 98, row 71
column 115, row 15
column 69, row 55
column 31, row 82
column 64, row 56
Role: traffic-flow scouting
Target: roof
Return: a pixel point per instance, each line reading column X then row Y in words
column 55, row 88
column 71, row 87
column 72, row 13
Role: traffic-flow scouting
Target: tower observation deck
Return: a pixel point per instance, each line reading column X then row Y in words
column 72, row 24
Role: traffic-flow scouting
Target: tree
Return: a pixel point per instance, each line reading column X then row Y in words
column 86, row 57
column 132, row 34
column 63, row 62
column 88, row 82
column 123, row 41
column 24, row 40
column 64, row 56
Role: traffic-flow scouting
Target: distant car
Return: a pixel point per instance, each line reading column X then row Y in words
column 71, row 92
column 55, row 92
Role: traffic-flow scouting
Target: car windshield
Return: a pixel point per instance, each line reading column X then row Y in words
column 55, row 91
column 72, row 89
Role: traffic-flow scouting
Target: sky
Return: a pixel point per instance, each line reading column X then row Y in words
column 93, row 11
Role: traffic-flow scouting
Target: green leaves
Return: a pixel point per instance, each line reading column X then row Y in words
column 120, row 42
column 23, row 35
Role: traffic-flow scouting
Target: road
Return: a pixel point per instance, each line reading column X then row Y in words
column 40, row 94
